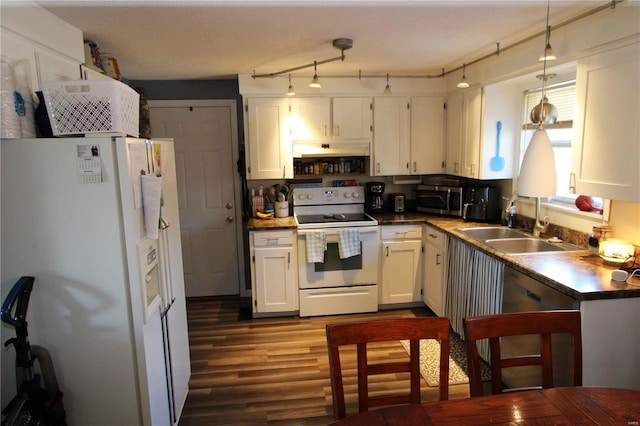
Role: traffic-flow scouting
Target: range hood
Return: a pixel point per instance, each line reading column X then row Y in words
column 330, row 148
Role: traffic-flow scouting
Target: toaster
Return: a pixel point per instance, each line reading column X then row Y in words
column 396, row 203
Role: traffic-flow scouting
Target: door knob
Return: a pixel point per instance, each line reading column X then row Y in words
column 229, row 206
column 229, row 219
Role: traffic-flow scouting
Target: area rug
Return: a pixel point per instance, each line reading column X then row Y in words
column 430, row 361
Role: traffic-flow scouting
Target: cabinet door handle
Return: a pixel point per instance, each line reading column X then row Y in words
column 377, row 167
column 387, row 251
column 437, row 258
column 288, row 260
column 572, row 183
column 325, row 129
column 338, row 130
column 455, row 167
column 415, row 166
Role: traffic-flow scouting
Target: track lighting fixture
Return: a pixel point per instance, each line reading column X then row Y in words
column 290, row 91
column 548, row 51
column 463, row 84
column 387, row 89
column 315, row 82
column 339, row 43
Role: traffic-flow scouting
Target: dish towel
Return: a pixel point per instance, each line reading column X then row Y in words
column 348, row 243
column 316, row 246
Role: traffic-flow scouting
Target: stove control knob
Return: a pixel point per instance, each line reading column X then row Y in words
column 301, row 196
column 309, row 196
column 347, row 195
column 356, row 195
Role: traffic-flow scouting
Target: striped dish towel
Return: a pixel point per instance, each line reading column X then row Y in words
column 348, row 243
column 316, row 246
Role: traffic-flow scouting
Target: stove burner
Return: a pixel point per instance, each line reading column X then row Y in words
column 337, row 216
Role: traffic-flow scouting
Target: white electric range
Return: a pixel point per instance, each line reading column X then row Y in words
column 335, row 285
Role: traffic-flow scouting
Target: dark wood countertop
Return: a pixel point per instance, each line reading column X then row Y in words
column 271, row 224
column 579, row 275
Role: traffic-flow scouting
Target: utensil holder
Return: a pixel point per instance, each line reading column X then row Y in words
column 282, row 208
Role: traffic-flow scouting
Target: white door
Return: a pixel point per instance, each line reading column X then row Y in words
column 205, row 135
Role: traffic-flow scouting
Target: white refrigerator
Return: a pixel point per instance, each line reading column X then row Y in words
column 108, row 300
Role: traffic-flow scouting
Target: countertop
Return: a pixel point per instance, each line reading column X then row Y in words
column 580, row 274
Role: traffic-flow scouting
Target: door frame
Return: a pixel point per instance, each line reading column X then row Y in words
column 237, row 184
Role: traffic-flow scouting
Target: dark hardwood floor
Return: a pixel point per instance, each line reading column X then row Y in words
column 274, row 371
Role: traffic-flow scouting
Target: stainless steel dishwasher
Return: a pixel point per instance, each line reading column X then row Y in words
column 524, row 294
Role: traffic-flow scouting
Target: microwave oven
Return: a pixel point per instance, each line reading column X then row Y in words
column 444, row 200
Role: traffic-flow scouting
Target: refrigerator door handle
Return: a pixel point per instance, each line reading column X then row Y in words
column 168, row 365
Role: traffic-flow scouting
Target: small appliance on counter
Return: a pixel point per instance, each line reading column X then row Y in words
column 396, row 203
column 373, row 197
column 481, row 204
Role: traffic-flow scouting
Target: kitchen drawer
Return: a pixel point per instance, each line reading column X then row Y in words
column 434, row 237
column 272, row 238
column 401, row 232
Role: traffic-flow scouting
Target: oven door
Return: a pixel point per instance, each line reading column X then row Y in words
column 336, row 272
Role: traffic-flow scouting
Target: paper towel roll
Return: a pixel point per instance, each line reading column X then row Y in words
column 10, row 121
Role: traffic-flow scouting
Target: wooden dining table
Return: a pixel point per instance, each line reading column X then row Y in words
column 555, row 406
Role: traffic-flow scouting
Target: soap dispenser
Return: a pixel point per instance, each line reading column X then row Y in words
column 511, row 218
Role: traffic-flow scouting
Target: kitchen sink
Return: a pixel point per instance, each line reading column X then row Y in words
column 529, row 245
column 513, row 241
column 493, row 233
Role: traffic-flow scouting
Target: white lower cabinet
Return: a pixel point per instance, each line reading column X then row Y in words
column 434, row 267
column 273, row 272
column 400, row 264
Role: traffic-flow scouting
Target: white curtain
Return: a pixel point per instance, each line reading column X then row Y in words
column 474, row 286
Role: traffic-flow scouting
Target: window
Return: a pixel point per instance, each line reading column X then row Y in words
column 562, row 96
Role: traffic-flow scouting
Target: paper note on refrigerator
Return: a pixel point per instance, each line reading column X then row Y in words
column 89, row 164
column 138, row 161
column 151, row 194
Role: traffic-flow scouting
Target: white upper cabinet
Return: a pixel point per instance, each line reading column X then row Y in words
column 471, row 131
column 53, row 48
column 453, row 161
column 391, row 135
column 606, row 147
column 269, row 151
column 427, row 135
column 351, row 118
column 310, row 118
column 336, row 119
column 477, row 146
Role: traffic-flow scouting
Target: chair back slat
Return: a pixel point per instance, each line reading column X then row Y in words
column 362, row 333
column 544, row 323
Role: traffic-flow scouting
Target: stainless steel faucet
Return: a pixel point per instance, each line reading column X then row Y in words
column 539, row 227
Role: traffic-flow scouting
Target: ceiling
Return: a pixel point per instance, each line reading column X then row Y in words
column 217, row 39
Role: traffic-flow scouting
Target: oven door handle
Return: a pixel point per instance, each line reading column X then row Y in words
column 334, row 231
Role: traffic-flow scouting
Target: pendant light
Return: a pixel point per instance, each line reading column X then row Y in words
column 387, row 89
column 538, row 170
column 290, row 91
column 463, row 84
column 315, row 82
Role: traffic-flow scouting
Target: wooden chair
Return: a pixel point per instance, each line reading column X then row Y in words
column 361, row 333
column 543, row 323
